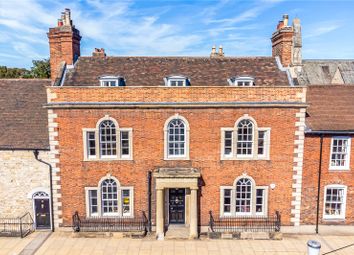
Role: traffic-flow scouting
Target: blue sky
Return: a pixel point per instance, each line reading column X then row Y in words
column 174, row 27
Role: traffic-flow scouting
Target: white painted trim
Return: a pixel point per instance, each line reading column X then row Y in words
column 119, row 197
column 118, row 155
column 335, row 217
column 253, row 199
column 266, row 155
column 347, row 166
column 186, row 144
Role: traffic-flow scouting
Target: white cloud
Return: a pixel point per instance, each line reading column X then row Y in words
column 322, row 28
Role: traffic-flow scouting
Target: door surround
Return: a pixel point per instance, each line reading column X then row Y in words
column 166, row 178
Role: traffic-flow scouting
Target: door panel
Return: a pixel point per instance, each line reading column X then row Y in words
column 177, row 206
column 42, row 213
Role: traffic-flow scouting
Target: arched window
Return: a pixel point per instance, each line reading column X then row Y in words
column 108, row 139
column 245, row 137
column 109, row 194
column 243, row 196
column 176, row 136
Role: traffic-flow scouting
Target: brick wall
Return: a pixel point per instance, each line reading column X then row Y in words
column 168, row 94
column 148, row 154
column 310, row 181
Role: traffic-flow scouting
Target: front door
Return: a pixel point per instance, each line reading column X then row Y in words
column 42, row 211
column 177, row 206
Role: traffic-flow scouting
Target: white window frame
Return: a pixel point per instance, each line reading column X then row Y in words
column 98, row 156
column 347, row 165
column 241, row 79
column 223, row 155
column 344, row 205
column 109, row 79
column 266, row 143
column 186, row 144
column 253, row 199
column 119, row 196
column 88, row 204
column 254, row 156
column 177, row 79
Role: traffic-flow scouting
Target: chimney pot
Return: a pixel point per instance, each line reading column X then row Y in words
column 286, row 19
column 60, row 22
column 221, row 51
column 98, row 52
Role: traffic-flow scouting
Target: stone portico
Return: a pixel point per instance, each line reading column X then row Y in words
column 177, row 178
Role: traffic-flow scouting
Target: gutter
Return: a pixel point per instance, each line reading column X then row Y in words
column 22, row 149
column 35, row 153
column 328, row 132
column 319, row 184
column 104, row 105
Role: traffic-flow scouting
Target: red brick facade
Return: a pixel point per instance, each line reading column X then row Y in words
column 148, row 143
column 328, row 177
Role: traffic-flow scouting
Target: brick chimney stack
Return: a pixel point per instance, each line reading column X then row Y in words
column 64, row 44
column 282, row 40
column 99, row 53
column 286, row 42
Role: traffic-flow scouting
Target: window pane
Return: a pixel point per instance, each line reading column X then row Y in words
column 176, row 138
column 245, row 138
column 124, row 143
column 109, row 196
column 243, row 196
column 260, row 201
column 93, row 205
column 91, row 144
column 339, row 157
column 228, row 143
column 334, row 202
column 107, row 138
column 261, row 143
column 227, row 201
column 126, row 202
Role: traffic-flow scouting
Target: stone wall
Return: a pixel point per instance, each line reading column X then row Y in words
column 21, row 174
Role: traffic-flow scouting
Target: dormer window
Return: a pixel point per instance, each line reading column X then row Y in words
column 241, row 81
column 177, row 81
column 112, row 81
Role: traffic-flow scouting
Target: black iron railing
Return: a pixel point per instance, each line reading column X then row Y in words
column 109, row 224
column 245, row 223
column 17, row 227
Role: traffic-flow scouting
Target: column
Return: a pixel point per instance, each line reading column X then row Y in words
column 159, row 215
column 194, row 214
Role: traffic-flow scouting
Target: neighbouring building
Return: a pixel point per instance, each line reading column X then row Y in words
column 24, row 181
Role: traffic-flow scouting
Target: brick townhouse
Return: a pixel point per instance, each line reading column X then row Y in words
column 217, row 133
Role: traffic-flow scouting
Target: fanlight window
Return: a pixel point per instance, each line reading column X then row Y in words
column 109, row 197
column 108, row 139
column 243, row 196
column 245, row 138
column 176, row 137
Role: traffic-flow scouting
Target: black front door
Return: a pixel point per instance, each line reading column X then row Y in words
column 176, row 206
column 42, row 213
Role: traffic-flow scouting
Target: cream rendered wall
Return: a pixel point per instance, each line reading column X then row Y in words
column 20, row 175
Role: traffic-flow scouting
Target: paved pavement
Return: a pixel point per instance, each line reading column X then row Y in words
column 63, row 244
column 14, row 245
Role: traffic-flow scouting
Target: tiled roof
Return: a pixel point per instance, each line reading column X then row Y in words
column 23, row 120
column 151, row 71
column 327, row 72
column 331, row 108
